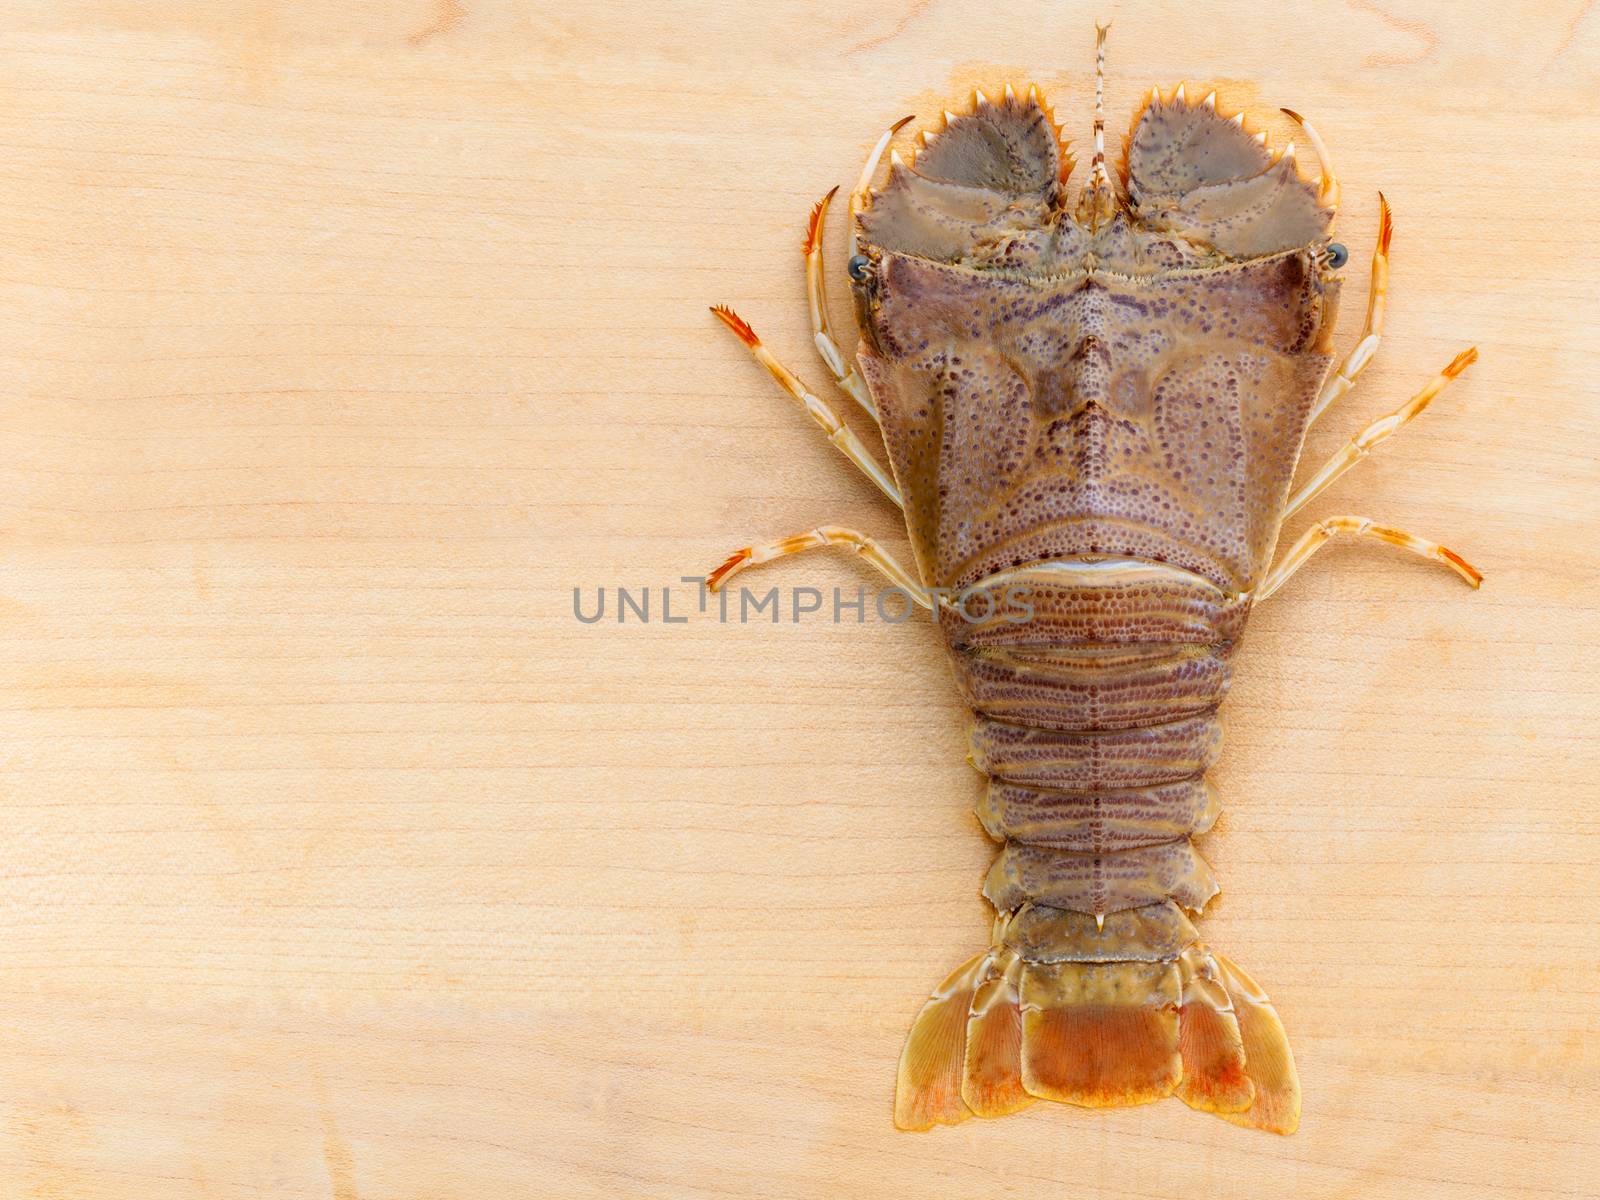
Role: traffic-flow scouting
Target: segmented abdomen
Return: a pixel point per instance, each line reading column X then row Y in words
column 1096, row 731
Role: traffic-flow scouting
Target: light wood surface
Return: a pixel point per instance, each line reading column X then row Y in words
column 341, row 342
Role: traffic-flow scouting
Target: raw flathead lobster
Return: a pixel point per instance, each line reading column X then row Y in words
column 1098, row 406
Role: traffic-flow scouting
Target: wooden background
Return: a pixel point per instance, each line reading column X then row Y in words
column 340, row 342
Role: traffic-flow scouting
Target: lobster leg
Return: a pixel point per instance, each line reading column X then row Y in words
column 1328, row 182
column 1318, row 535
column 1342, row 380
column 840, row 434
column 858, row 198
column 849, row 378
column 1379, row 431
column 823, row 535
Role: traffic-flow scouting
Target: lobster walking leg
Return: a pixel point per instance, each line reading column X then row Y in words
column 1319, row 534
column 1379, row 431
column 847, row 377
column 840, row 434
column 813, row 539
column 1328, row 182
column 1342, row 380
column 858, row 198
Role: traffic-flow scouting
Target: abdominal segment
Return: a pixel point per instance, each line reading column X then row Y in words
column 1097, row 759
column 1100, row 883
column 1095, row 806
column 1097, row 822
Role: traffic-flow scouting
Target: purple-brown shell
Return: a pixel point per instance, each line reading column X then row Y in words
column 1136, row 385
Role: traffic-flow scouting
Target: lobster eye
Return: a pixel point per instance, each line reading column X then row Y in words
column 1337, row 255
column 857, row 266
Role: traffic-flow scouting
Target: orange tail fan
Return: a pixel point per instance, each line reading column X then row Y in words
column 1046, row 1018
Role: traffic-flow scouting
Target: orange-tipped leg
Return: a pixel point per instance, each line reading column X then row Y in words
column 858, row 198
column 824, row 535
column 1328, row 183
column 1342, row 380
column 1378, row 432
column 838, row 432
column 847, row 377
column 1318, row 535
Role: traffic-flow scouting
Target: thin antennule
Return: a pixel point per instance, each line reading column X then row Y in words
column 1099, row 166
column 1099, row 194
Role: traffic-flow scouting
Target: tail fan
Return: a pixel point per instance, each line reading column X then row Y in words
column 1268, row 1060
column 1046, row 1014
column 1216, row 1074
column 991, row 1079
column 1100, row 1034
column 932, row 1065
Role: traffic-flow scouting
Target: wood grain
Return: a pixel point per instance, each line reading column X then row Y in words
column 343, row 341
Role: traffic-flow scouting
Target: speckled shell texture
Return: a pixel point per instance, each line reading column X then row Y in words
column 1140, row 389
column 1100, row 406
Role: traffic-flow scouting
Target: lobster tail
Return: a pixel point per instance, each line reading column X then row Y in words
column 1096, row 729
column 1007, row 1028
